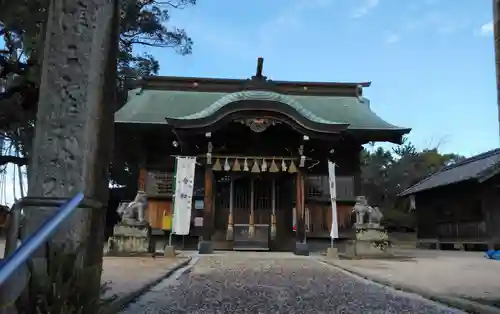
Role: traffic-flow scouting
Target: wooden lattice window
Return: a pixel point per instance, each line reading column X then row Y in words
column 318, row 187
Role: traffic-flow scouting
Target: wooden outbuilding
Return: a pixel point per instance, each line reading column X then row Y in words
column 459, row 206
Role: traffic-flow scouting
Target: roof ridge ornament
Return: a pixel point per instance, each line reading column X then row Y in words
column 258, row 73
column 259, row 81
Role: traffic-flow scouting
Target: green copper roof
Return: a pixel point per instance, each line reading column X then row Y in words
column 153, row 106
column 256, row 95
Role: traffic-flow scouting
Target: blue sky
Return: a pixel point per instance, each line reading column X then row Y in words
column 431, row 63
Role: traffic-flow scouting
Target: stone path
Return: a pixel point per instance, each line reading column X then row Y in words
column 246, row 283
column 128, row 274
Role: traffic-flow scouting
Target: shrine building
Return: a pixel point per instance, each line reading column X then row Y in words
column 262, row 149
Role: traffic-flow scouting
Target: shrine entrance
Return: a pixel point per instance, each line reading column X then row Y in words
column 260, row 207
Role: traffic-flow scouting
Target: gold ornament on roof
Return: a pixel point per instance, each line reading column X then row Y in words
column 292, row 168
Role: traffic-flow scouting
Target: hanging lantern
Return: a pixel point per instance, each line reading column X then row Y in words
column 255, row 167
column 274, row 167
column 236, row 165
column 283, row 166
column 292, row 168
column 245, row 165
column 264, row 165
column 217, row 166
column 227, row 167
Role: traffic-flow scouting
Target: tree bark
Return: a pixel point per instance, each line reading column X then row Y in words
column 71, row 148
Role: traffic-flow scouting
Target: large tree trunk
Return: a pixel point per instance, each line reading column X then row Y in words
column 74, row 125
column 496, row 36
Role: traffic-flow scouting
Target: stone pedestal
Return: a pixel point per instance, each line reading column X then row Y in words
column 169, row 251
column 371, row 241
column 130, row 239
column 332, row 253
column 205, row 247
column 301, row 249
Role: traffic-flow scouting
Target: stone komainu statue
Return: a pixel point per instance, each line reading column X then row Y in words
column 375, row 216
column 361, row 208
column 133, row 213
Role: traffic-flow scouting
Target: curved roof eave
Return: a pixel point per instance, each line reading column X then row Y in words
column 255, row 100
column 256, row 95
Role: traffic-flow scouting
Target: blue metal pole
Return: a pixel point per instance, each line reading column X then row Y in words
column 24, row 252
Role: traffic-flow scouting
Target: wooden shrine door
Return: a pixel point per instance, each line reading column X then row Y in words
column 252, row 200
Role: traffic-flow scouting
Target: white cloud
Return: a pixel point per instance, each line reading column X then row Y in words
column 392, row 38
column 291, row 18
column 437, row 22
column 285, row 23
column 486, row 29
column 364, row 8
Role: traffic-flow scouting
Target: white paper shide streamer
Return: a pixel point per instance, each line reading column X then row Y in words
column 183, row 198
column 334, row 232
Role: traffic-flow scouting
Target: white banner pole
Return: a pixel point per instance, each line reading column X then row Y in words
column 182, row 206
column 334, row 230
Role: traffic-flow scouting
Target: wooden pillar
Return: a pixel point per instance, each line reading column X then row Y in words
column 299, row 207
column 208, row 211
column 230, row 219
column 357, row 172
column 487, row 207
column 496, row 42
column 142, row 178
column 273, row 213
column 251, row 227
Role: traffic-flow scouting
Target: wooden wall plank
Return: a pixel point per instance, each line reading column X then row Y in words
column 155, row 212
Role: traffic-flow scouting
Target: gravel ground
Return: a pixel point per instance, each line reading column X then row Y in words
column 245, row 284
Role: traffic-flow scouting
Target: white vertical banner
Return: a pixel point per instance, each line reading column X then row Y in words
column 183, row 198
column 334, row 230
column 413, row 205
column 307, row 219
